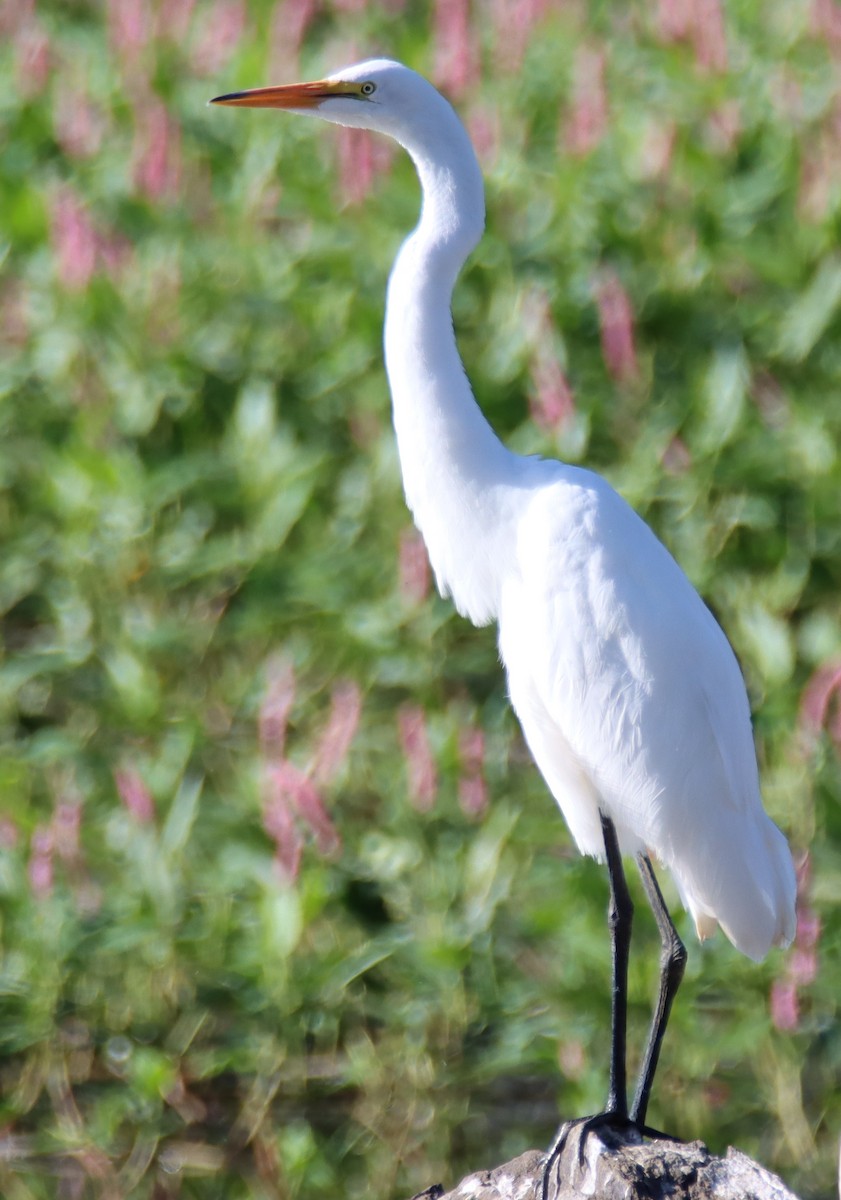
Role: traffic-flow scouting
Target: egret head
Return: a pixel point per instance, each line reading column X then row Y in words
column 377, row 94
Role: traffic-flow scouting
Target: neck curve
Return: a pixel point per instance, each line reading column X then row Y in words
column 456, row 472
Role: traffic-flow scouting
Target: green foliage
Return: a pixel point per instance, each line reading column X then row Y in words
column 200, row 501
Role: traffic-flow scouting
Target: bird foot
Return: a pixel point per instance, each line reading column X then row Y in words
column 613, row 1122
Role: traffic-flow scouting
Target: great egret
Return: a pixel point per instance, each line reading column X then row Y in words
column 629, row 695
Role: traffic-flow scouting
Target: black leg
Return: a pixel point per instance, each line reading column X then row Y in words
column 672, row 963
column 619, row 915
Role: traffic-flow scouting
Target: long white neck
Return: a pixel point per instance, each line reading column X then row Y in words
column 456, row 472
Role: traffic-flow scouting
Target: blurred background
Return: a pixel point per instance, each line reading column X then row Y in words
column 286, row 909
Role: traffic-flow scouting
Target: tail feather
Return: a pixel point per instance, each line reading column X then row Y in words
column 745, row 882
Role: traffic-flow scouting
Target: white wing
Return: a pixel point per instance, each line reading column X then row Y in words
column 632, row 701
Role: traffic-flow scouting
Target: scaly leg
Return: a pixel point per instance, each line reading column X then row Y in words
column 619, row 916
column 672, row 963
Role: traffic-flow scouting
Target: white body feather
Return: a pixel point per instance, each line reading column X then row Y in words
column 629, row 695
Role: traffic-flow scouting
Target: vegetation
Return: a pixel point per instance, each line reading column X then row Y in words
column 286, row 909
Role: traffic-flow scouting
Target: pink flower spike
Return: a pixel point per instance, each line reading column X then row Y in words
column 8, row 834
column 279, row 823
column 456, row 53
column 79, row 127
column 66, row 824
column 413, row 567
column 616, row 319
column 551, row 402
column 276, row 706
column 356, row 163
column 674, row 19
column 485, row 133
column 818, row 695
column 338, row 735
column 289, row 23
column 135, row 795
column 420, row 765
column 808, row 928
column 803, row 967
column 129, row 27
column 708, row 36
column 74, row 240
column 300, row 792
column 14, row 15
column 587, row 121
column 32, row 59
column 513, row 21
column 173, row 19
column 157, row 151
column 40, row 869
column 222, row 27
column 826, row 23
column 472, row 789
column 785, row 1009
column 676, row 458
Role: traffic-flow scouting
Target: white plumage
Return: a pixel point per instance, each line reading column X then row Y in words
column 627, row 690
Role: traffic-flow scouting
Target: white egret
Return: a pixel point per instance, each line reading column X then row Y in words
column 628, row 693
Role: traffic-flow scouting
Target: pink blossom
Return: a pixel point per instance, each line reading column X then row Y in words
column 338, row 735
column 14, row 15
column 802, row 964
column 114, row 254
column 79, row 126
column 420, row 765
column 14, row 314
column 701, row 24
column 485, row 133
column 708, row 36
column 356, row 163
column 289, row 23
column 413, row 567
column 808, row 927
column 472, row 789
column 32, row 59
column 674, row 19
column 676, row 458
column 551, row 402
column 616, row 320
column 129, row 27
column 8, row 833
column 513, row 22
column 134, row 794
column 725, row 124
column 816, row 703
column 657, row 150
column 292, row 786
column 587, row 120
column 279, row 823
column 173, row 19
column 785, row 1006
column 456, row 51
column 826, row 22
column 222, row 26
column 73, row 240
column 157, row 150
column 66, row 825
column 803, row 967
column 40, row 869
column 277, row 703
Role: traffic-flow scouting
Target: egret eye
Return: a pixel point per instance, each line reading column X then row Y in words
column 368, row 89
